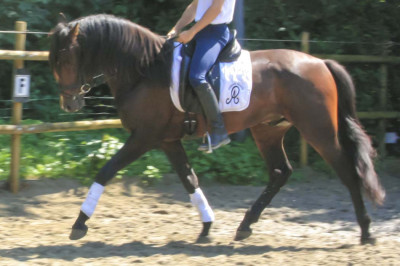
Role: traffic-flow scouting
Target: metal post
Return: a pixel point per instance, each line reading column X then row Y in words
column 305, row 47
column 20, row 40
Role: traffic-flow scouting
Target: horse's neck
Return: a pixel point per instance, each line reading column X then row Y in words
column 119, row 88
column 122, row 78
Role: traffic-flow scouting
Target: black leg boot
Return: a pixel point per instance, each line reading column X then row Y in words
column 208, row 100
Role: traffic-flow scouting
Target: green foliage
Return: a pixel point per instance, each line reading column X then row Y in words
column 236, row 163
column 344, row 27
column 77, row 155
column 81, row 155
column 367, row 27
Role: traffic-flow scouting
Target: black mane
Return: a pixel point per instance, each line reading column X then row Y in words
column 115, row 46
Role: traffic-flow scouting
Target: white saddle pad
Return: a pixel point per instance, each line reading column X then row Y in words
column 235, row 82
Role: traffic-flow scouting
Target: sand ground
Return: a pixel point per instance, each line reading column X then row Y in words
column 308, row 223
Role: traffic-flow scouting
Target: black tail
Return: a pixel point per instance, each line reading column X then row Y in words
column 352, row 136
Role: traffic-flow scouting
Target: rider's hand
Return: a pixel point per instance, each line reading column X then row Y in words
column 185, row 36
column 172, row 33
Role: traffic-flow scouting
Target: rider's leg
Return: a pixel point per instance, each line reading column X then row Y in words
column 218, row 135
column 209, row 43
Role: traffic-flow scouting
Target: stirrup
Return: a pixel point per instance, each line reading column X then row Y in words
column 209, row 148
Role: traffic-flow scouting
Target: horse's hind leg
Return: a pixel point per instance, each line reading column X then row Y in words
column 327, row 144
column 177, row 156
column 269, row 140
column 336, row 156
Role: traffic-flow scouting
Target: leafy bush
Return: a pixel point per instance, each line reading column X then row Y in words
column 78, row 155
column 81, row 155
column 367, row 27
column 236, row 163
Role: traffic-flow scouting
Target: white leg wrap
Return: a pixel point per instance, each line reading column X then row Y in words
column 92, row 198
column 200, row 202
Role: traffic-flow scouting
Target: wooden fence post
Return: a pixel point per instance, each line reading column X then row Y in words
column 20, row 39
column 305, row 47
column 382, row 106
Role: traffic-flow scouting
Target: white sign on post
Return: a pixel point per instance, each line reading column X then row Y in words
column 21, row 85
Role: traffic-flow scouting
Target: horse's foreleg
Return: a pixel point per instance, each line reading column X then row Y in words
column 269, row 142
column 131, row 150
column 177, row 156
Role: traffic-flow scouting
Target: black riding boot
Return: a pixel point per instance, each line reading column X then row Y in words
column 208, row 100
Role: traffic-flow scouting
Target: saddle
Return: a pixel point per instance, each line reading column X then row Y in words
column 187, row 95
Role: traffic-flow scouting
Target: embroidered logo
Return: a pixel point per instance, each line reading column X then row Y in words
column 235, row 91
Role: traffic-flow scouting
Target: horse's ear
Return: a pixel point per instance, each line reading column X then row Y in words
column 74, row 32
column 62, row 18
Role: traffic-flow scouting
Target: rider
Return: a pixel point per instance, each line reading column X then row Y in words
column 211, row 34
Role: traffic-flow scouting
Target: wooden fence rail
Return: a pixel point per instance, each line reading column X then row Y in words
column 379, row 115
column 44, row 56
column 16, row 129
column 60, row 127
column 24, row 55
column 360, row 58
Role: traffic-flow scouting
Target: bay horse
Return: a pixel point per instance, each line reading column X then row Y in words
column 290, row 88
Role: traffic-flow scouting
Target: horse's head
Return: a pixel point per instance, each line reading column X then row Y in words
column 104, row 46
column 64, row 62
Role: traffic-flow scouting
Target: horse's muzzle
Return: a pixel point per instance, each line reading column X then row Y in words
column 71, row 103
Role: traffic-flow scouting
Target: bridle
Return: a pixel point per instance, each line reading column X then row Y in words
column 97, row 80
column 84, row 88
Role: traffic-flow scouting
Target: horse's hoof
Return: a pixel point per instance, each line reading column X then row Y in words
column 206, row 229
column 368, row 241
column 243, row 234
column 78, row 232
column 203, row 239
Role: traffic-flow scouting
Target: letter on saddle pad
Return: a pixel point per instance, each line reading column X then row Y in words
column 230, row 78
